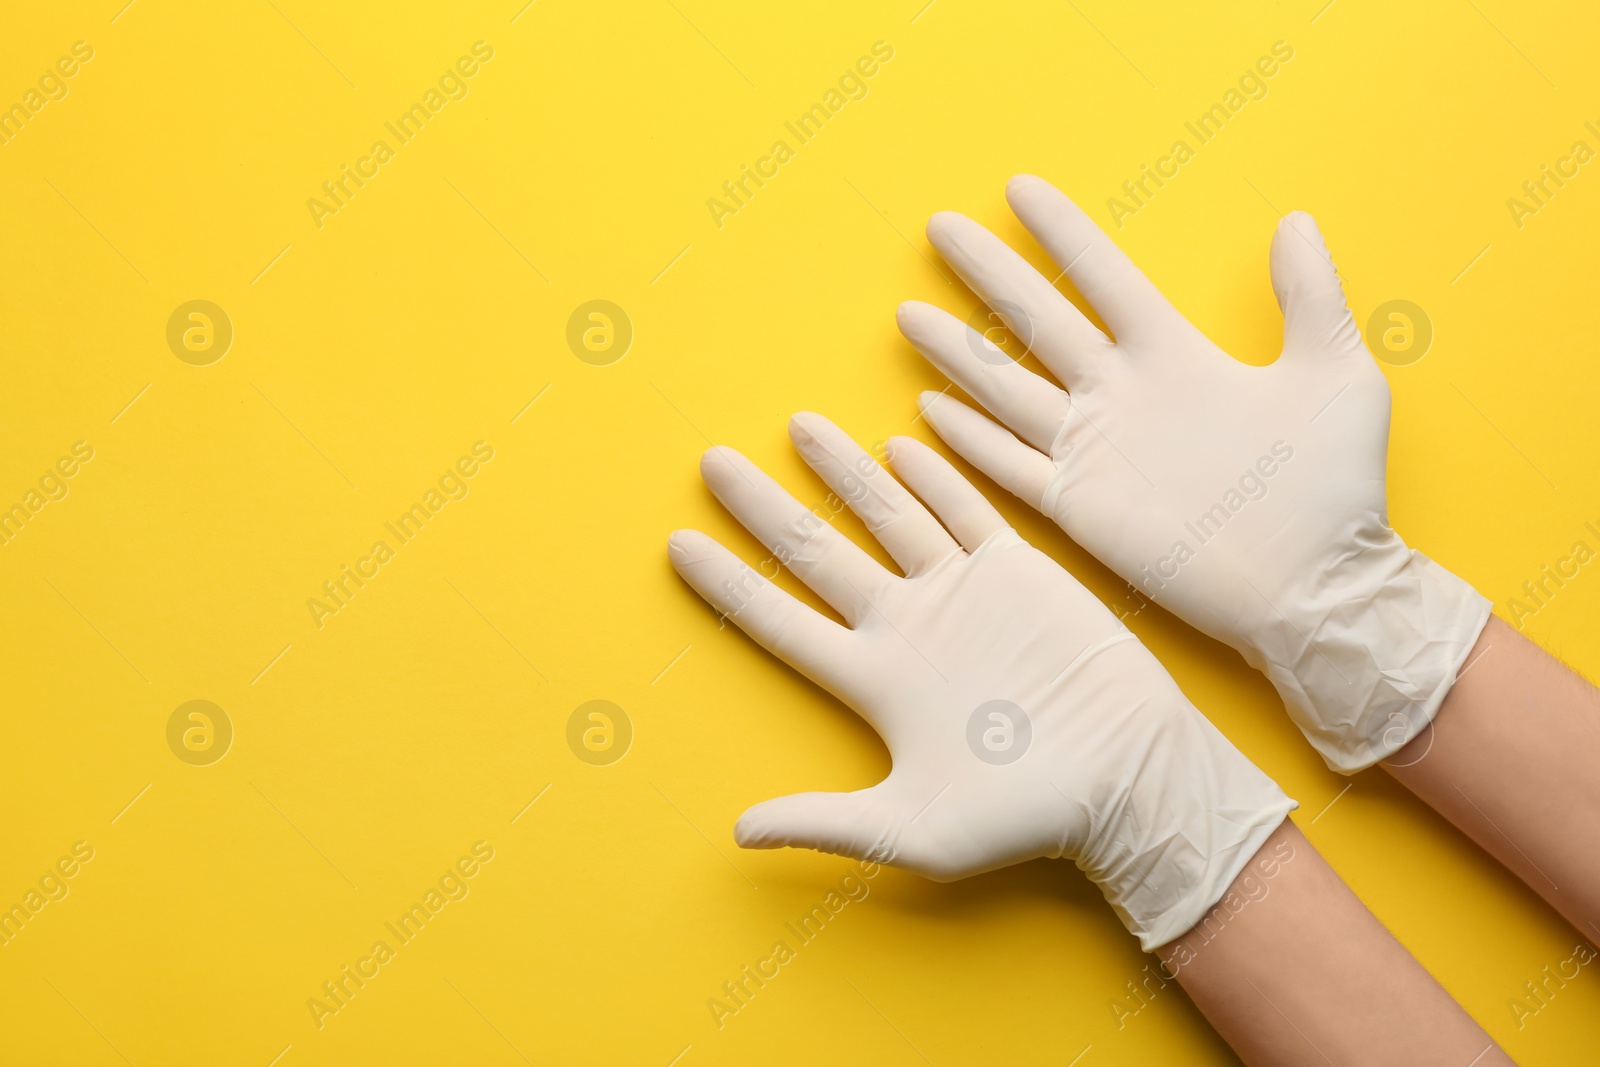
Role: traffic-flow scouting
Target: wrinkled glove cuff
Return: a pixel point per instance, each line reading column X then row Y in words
column 1370, row 673
column 1187, row 814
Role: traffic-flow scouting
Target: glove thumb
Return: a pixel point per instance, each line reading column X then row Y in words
column 1316, row 319
column 845, row 824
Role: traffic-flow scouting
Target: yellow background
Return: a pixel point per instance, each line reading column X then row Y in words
column 428, row 713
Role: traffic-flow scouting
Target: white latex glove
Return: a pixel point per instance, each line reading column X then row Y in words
column 1023, row 719
column 1249, row 501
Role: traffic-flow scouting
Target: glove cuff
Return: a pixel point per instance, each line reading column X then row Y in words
column 1187, row 814
column 1369, row 673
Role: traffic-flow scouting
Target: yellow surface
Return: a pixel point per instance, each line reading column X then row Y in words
column 369, row 755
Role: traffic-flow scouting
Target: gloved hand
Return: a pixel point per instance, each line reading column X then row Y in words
column 1023, row 719
column 1249, row 501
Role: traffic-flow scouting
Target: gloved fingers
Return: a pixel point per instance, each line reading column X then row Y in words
column 814, row 645
column 827, row 561
column 902, row 525
column 1125, row 299
column 1031, row 406
column 1032, row 308
column 991, row 448
column 965, row 512
column 844, row 824
column 1316, row 317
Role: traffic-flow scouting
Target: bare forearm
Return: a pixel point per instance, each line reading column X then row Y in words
column 1513, row 760
column 1291, row 969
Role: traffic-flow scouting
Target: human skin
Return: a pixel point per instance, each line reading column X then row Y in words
column 1510, row 760
column 1291, row 968
column 1282, row 978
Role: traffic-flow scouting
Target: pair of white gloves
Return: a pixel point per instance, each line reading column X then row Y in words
column 1023, row 719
